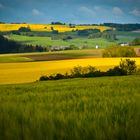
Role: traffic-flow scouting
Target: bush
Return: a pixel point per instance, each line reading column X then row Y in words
column 57, row 76
column 77, row 71
column 24, row 29
column 128, row 65
column 119, row 52
column 43, row 78
column 67, row 38
column 136, row 41
column 116, row 71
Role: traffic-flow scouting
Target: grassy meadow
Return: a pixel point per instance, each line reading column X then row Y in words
column 126, row 36
column 24, row 72
column 47, row 41
column 104, row 108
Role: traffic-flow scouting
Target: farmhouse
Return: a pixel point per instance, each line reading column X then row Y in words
column 124, row 44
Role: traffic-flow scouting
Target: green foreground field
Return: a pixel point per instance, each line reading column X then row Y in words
column 104, row 108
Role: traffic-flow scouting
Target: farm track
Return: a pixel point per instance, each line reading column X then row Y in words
column 51, row 57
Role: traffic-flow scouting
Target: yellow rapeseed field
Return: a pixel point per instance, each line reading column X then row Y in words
column 11, row 73
column 47, row 27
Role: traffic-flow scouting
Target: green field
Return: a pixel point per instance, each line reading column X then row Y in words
column 47, row 41
column 126, row 36
column 77, row 109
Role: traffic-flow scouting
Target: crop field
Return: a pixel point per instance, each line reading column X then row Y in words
column 31, row 71
column 104, row 108
column 49, row 56
column 47, row 41
column 47, row 27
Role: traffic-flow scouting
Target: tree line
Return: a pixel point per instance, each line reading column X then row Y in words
column 123, row 27
column 11, row 46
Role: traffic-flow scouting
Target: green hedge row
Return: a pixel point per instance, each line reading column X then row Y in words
column 126, row 67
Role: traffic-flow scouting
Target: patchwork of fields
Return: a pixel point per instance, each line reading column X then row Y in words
column 31, row 71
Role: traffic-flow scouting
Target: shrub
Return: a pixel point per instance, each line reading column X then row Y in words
column 138, row 71
column 116, row 71
column 76, row 71
column 136, row 41
column 67, row 38
column 57, row 76
column 128, row 65
column 119, row 52
column 43, row 78
column 24, row 29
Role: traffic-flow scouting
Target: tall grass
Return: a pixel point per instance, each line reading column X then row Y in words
column 77, row 109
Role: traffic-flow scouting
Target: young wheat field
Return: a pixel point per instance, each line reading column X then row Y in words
column 104, row 108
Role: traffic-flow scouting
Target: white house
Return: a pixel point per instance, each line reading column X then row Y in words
column 97, row 47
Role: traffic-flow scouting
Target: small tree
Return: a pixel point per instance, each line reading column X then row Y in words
column 128, row 65
column 24, row 29
column 52, row 28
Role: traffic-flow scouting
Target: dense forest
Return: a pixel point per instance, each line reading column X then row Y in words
column 10, row 46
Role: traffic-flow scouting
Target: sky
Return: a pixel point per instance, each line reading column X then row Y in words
column 70, row 11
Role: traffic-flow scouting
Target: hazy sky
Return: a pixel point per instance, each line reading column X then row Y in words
column 70, row 11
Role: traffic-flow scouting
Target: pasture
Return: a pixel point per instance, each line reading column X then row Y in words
column 104, row 108
column 126, row 36
column 24, row 72
column 47, row 41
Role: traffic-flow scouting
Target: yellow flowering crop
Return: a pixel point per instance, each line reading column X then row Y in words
column 31, row 71
column 47, row 27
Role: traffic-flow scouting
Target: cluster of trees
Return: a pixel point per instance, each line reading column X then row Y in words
column 126, row 67
column 96, row 33
column 24, row 29
column 21, row 30
column 119, row 52
column 123, row 27
column 57, row 23
column 108, row 34
column 136, row 41
column 10, row 46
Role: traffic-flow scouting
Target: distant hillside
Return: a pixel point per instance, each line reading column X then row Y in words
column 123, row 27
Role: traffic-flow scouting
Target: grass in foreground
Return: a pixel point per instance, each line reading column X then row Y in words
column 77, row 109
